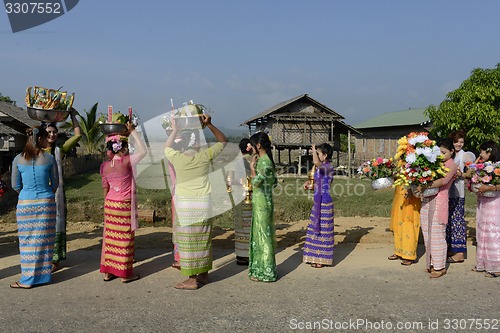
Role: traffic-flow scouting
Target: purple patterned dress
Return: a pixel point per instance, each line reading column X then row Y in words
column 318, row 248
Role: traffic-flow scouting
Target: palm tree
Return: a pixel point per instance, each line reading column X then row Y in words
column 91, row 133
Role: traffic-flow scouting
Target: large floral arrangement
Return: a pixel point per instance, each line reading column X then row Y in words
column 485, row 173
column 420, row 160
column 377, row 168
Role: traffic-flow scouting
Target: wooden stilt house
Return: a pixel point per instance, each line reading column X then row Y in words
column 298, row 123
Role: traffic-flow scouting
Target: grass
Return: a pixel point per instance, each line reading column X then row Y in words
column 351, row 197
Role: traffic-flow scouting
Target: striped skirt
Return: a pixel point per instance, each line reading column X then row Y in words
column 36, row 224
column 193, row 234
column 242, row 228
column 456, row 229
column 117, row 255
column 488, row 233
column 434, row 232
column 318, row 249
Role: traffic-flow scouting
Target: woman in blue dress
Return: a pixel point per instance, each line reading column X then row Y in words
column 35, row 178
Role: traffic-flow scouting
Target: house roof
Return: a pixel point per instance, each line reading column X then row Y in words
column 399, row 118
column 6, row 130
column 279, row 107
column 18, row 114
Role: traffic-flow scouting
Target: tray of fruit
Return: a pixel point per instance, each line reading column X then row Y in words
column 187, row 117
column 48, row 105
column 116, row 123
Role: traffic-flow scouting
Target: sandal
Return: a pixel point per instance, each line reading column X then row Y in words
column 438, row 274
column 317, row 265
column 477, row 270
column 176, row 265
column 133, row 278
column 17, row 285
column 492, row 274
column 393, row 257
column 405, row 262
column 185, row 286
column 451, row 260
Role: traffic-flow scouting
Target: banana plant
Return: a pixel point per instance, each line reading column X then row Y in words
column 92, row 137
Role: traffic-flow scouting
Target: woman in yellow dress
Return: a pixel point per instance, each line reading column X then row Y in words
column 405, row 224
column 405, row 217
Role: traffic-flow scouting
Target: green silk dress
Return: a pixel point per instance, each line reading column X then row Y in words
column 263, row 234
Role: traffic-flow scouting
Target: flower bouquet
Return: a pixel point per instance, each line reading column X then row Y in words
column 48, row 105
column 422, row 162
column 380, row 171
column 486, row 173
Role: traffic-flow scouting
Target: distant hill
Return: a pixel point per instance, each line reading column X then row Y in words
column 233, row 134
column 155, row 131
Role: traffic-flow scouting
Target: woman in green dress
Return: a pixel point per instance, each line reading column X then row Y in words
column 58, row 152
column 262, row 266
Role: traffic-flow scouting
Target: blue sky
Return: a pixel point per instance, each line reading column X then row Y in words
column 360, row 58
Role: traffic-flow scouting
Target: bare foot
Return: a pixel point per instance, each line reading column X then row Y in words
column 189, row 284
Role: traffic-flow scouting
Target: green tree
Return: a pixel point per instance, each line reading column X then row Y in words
column 92, row 137
column 7, row 99
column 474, row 107
column 344, row 143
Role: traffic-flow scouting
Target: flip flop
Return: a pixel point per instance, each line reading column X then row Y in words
column 183, row 286
column 133, row 278
column 17, row 285
column 492, row 275
column 453, row 261
column 393, row 257
column 176, row 265
column 476, row 270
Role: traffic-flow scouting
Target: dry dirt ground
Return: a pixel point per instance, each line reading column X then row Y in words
column 348, row 230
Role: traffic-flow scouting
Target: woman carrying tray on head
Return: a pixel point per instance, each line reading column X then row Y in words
column 120, row 206
column 192, row 202
column 58, row 152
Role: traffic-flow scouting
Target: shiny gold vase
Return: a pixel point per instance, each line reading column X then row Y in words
column 310, row 175
column 247, row 187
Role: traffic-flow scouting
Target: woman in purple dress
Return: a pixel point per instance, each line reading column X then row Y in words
column 318, row 248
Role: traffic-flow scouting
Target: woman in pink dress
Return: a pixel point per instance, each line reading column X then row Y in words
column 120, row 206
column 434, row 214
column 488, row 219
